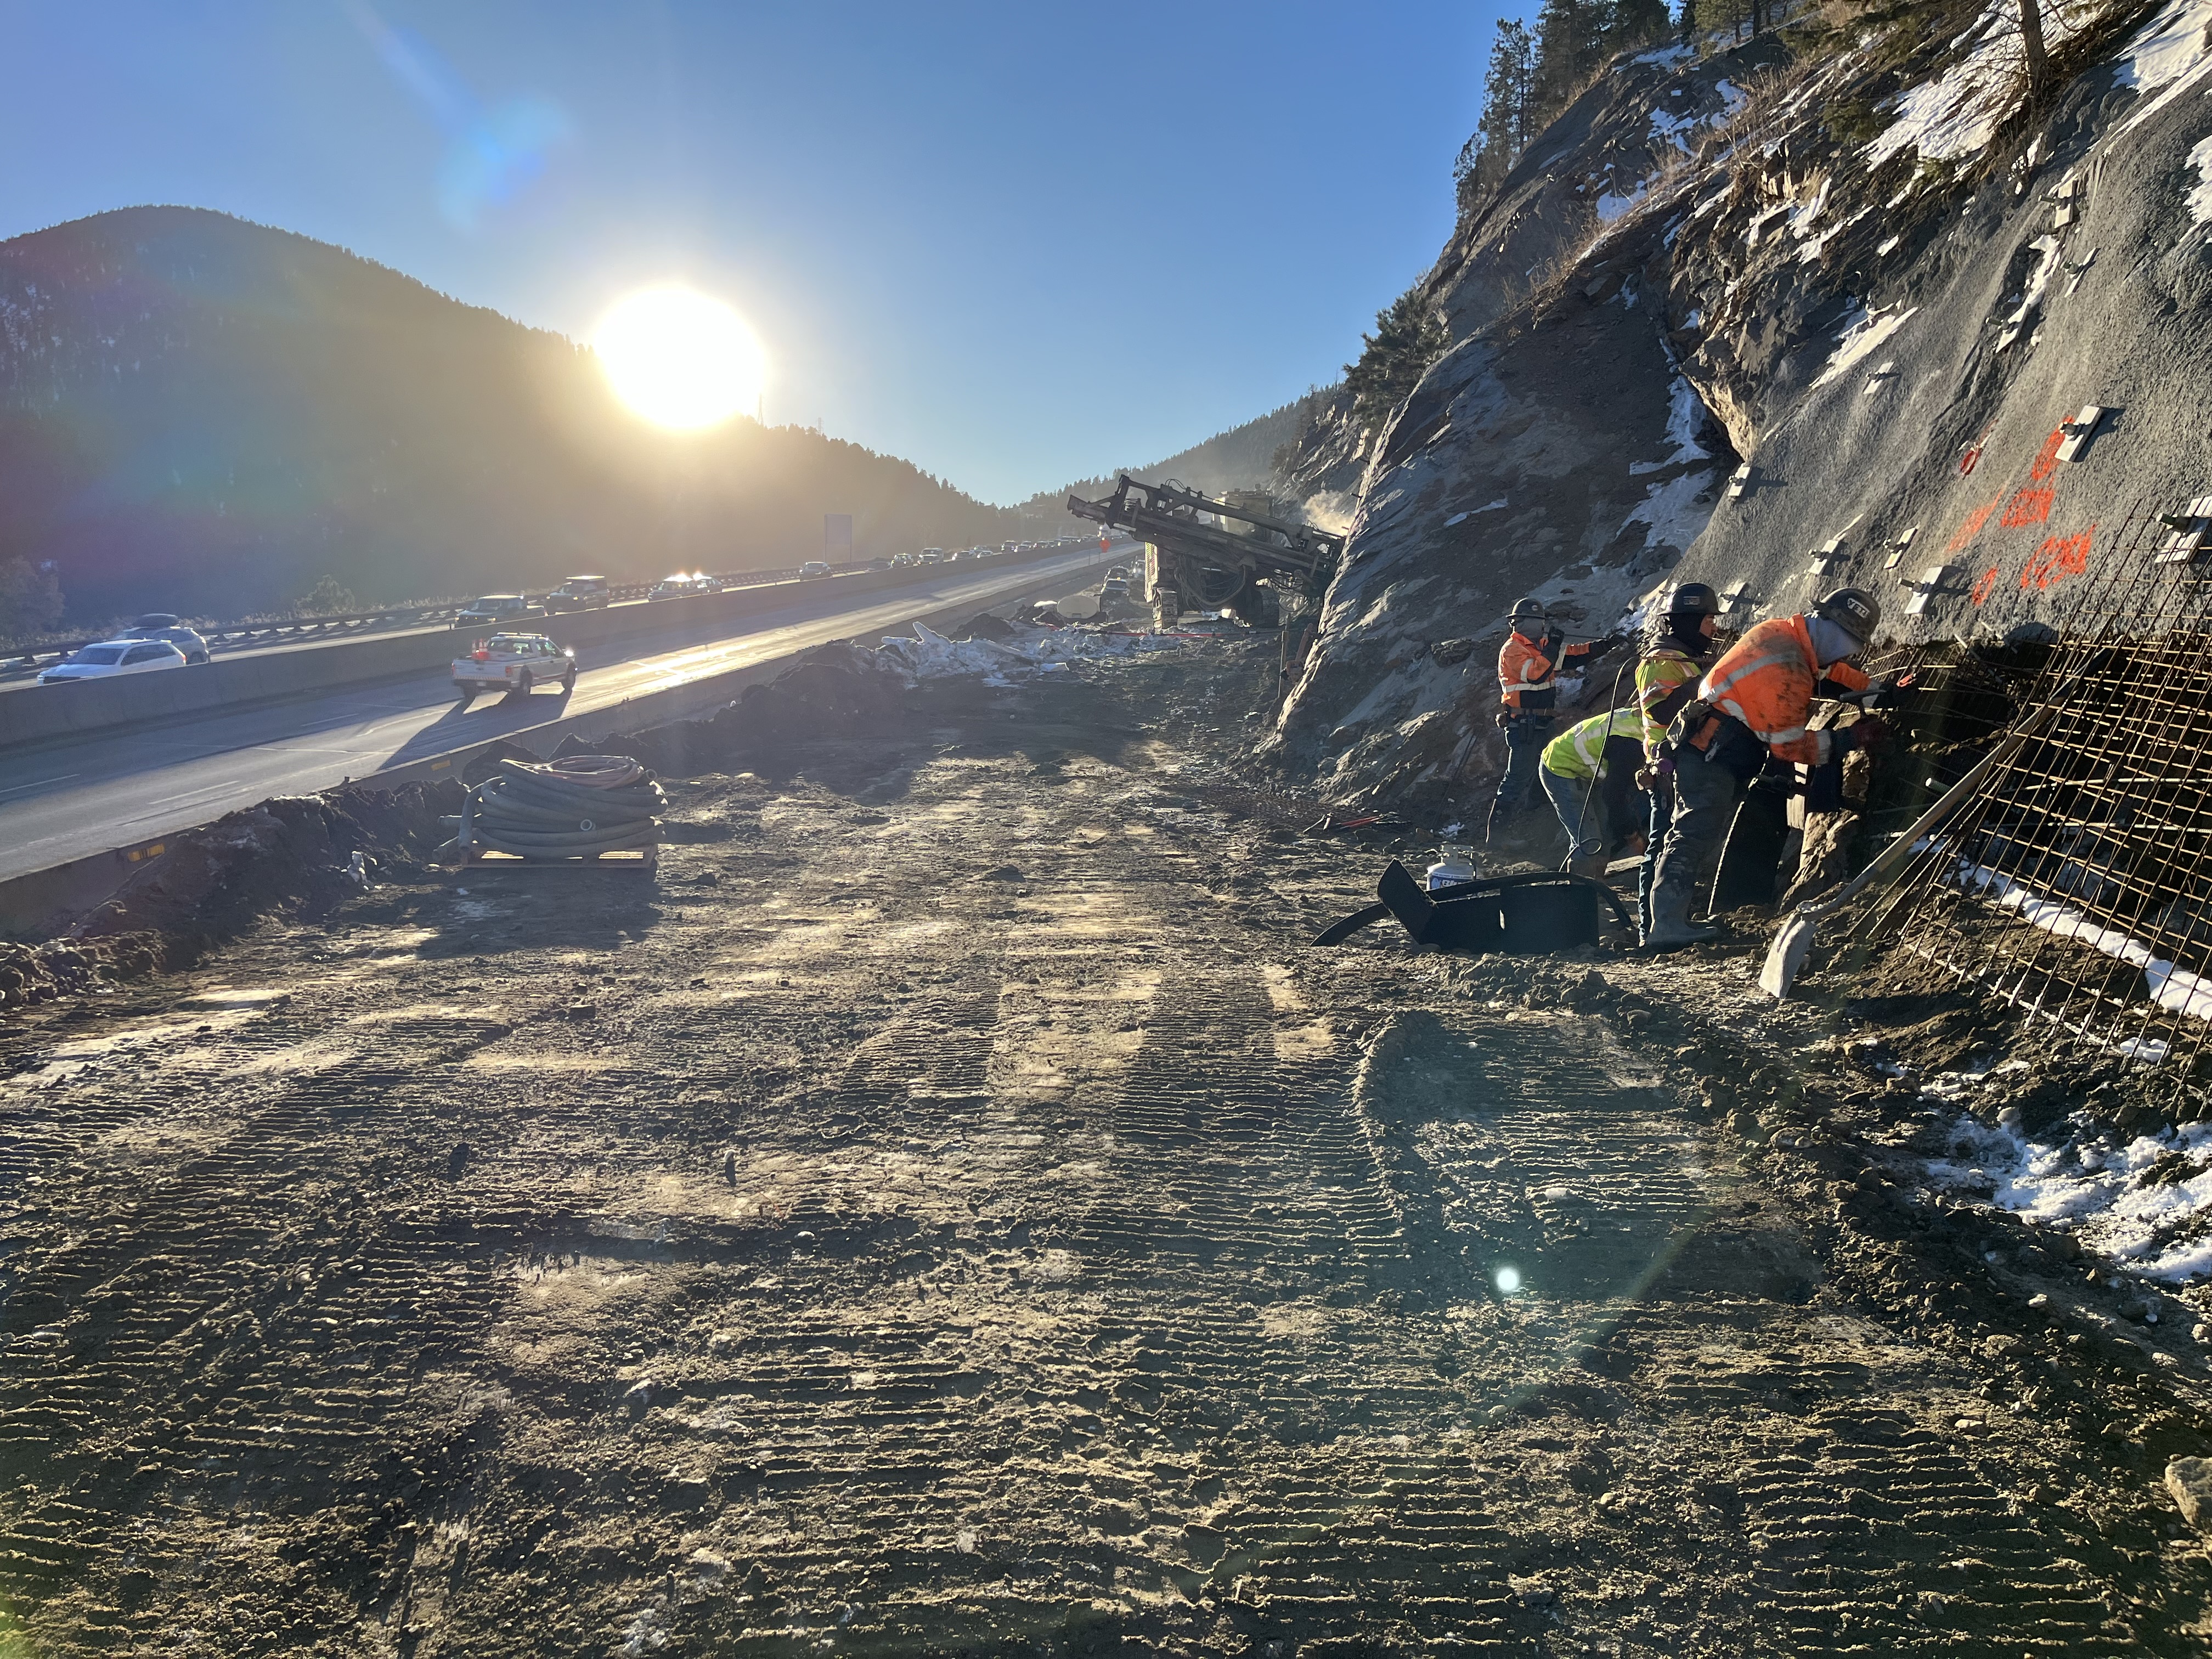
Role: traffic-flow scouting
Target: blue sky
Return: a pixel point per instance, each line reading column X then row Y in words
column 1016, row 244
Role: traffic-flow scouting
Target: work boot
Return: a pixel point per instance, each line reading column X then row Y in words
column 1670, row 924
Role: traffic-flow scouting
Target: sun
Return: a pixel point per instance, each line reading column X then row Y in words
column 678, row 358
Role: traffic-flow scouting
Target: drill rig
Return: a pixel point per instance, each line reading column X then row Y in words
column 1215, row 555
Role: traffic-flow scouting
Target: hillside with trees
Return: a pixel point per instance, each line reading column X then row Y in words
column 204, row 416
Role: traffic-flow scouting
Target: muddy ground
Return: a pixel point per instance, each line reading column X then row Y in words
column 951, row 1210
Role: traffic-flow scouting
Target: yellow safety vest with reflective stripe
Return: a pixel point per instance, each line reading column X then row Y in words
column 1659, row 674
column 1578, row 752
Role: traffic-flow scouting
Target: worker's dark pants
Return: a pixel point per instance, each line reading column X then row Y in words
column 1706, row 794
column 1525, row 737
column 1661, row 799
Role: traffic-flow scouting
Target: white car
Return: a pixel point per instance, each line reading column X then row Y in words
column 112, row 657
column 813, row 568
column 517, row 664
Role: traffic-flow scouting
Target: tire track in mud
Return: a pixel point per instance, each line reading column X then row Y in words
column 1059, row 1265
column 186, row 1376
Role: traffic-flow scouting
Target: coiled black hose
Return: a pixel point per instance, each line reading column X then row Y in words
column 569, row 809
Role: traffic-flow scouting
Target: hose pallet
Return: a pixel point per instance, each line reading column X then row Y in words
column 589, row 812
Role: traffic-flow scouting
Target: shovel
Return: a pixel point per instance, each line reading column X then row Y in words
column 1785, row 957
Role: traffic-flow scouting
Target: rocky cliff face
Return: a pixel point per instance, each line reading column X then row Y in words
column 1870, row 267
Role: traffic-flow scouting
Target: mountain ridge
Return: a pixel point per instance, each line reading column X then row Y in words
column 202, row 414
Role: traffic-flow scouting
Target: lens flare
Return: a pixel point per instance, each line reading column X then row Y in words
column 678, row 358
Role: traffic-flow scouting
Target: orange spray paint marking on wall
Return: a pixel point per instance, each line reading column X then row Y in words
column 2046, row 458
column 1989, row 579
column 2059, row 557
column 1971, row 527
column 2029, row 507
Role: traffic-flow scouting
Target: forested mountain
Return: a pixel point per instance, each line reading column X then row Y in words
column 201, row 415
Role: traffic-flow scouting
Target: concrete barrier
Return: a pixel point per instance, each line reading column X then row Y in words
column 46, row 714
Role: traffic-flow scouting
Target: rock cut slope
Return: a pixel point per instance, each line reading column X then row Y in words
column 1865, row 264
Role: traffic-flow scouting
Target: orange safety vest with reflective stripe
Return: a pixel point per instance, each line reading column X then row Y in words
column 1525, row 670
column 1767, row 681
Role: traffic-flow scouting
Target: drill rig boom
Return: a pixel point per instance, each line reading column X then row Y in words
column 1208, row 561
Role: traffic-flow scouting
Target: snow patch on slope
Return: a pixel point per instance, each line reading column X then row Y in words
column 2199, row 200
column 1863, row 334
column 2169, row 55
column 1685, row 415
column 1671, row 513
column 1956, row 114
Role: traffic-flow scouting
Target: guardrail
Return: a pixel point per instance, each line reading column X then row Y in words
column 260, row 635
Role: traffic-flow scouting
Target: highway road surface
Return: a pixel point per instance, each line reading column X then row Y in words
column 69, row 800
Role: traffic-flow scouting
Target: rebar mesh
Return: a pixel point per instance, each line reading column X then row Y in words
column 2076, row 883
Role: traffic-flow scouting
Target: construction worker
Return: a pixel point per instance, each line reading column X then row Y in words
column 1754, row 701
column 1667, row 676
column 1533, row 653
column 1588, row 771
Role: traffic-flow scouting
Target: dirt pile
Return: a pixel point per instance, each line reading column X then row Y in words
column 288, row 854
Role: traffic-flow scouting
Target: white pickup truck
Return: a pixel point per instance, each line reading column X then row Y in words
column 517, row 664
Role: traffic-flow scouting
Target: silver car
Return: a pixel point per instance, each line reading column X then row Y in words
column 165, row 625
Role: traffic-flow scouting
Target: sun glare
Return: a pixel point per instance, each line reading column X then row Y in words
column 678, row 358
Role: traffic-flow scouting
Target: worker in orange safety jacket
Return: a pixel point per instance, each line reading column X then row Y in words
column 1756, row 701
column 1533, row 654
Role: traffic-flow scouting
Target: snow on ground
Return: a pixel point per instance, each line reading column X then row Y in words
column 1957, row 113
column 1671, row 513
column 2169, row 55
column 931, row 656
column 1611, row 208
column 2145, row 1203
column 1685, row 413
column 1863, row 333
column 2199, row 199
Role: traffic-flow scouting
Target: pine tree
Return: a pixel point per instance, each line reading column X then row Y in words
column 1636, row 24
column 30, row 598
column 1508, row 115
column 1409, row 335
column 1570, row 41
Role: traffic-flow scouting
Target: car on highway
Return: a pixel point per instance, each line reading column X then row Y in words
column 882, row 564
column 980, row 553
column 1117, row 573
column 812, row 569
column 165, row 625
column 681, row 587
column 111, row 658
column 496, row 609
column 581, row 593
column 517, row 664
column 931, row 556
column 902, row 560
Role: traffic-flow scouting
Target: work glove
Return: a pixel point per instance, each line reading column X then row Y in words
column 1647, row 778
column 1505, row 718
column 1885, row 690
column 1871, row 734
